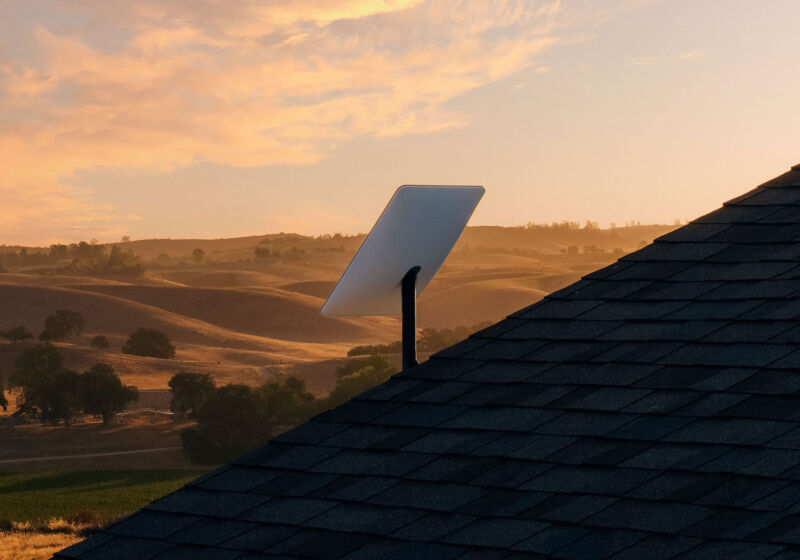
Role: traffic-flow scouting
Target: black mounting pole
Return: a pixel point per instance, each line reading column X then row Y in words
column 409, row 311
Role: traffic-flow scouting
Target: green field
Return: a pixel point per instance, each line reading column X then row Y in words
column 109, row 494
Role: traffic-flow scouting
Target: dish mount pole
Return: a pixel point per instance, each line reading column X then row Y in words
column 409, row 317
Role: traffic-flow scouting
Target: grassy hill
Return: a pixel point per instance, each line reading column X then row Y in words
column 249, row 308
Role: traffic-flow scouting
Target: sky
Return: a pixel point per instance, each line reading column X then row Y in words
column 221, row 118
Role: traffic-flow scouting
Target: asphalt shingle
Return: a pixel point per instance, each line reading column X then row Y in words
column 642, row 515
column 364, row 519
column 496, row 533
column 599, row 544
column 260, row 537
column 551, row 539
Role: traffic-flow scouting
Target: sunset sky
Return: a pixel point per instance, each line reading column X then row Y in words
column 219, row 118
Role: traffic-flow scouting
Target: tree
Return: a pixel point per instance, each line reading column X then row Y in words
column 286, row 403
column 36, row 367
column 59, row 402
column 87, row 256
column 62, row 325
column 101, row 392
column 373, row 371
column 100, row 342
column 17, row 334
column 149, row 342
column 198, row 256
column 49, row 391
column 189, row 391
column 236, row 418
column 58, row 252
column 123, row 262
column 229, row 423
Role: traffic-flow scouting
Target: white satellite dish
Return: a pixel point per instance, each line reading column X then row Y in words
column 399, row 257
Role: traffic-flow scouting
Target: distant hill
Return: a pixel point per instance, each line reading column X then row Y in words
column 544, row 238
column 250, row 306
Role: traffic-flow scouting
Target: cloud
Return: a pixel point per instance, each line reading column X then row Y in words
column 152, row 85
column 648, row 60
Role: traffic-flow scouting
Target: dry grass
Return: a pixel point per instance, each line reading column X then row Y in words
column 239, row 320
column 39, row 541
column 25, row 545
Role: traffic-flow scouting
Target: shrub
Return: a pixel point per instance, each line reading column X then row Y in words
column 17, row 334
column 100, row 342
column 430, row 340
column 359, row 376
column 150, row 343
column 367, row 349
column 84, row 518
column 352, row 366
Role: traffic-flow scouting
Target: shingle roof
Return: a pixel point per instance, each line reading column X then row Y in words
column 650, row 410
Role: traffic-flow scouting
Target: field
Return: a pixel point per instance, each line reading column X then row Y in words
column 243, row 318
column 44, row 511
column 107, row 494
column 57, row 483
column 141, row 441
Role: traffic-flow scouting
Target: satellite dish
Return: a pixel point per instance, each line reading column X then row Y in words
column 399, row 257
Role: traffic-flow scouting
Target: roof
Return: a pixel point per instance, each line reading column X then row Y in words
column 650, row 410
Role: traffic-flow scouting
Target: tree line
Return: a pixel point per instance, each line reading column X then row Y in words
column 64, row 325
column 234, row 418
column 230, row 419
column 54, row 394
column 293, row 254
column 429, row 340
column 88, row 257
column 58, row 327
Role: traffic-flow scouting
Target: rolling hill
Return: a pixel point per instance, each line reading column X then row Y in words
column 243, row 318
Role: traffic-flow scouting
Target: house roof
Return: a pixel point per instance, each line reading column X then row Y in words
column 650, row 410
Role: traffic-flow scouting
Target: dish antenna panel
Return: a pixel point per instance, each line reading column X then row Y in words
column 407, row 245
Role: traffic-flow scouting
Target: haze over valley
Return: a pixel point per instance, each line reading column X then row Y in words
column 247, row 309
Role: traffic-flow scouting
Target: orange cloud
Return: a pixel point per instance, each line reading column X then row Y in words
column 242, row 83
